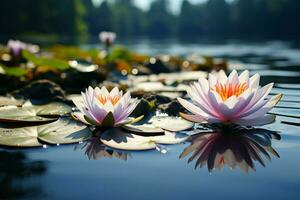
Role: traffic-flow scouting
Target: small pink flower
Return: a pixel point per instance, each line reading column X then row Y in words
column 102, row 108
column 233, row 99
column 107, row 38
column 16, row 47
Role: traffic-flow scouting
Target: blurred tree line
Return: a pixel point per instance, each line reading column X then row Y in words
column 214, row 17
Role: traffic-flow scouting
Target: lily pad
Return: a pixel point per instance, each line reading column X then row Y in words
column 33, row 113
column 62, row 131
column 10, row 101
column 120, row 139
column 82, row 66
column 43, row 61
column 153, row 87
column 158, row 124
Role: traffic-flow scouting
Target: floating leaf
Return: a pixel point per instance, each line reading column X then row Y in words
column 50, row 62
column 10, row 101
column 82, row 66
column 19, row 137
column 143, row 128
column 62, row 131
column 33, row 113
column 153, row 87
column 158, row 124
column 120, row 139
column 15, row 71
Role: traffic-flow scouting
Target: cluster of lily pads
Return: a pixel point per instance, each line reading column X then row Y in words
column 27, row 125
column 75, row 68
column 107, row 118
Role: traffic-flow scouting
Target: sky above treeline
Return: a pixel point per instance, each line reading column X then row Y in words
column 174, row 4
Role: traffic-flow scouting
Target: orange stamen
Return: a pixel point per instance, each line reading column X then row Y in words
column 114, row 100
column 226, row 91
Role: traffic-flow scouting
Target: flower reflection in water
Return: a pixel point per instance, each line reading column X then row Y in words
column 95, row 149
column 233, row 147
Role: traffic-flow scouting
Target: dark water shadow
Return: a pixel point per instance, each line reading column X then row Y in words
column 15, row 168
column 94, row 149
column 236, row 147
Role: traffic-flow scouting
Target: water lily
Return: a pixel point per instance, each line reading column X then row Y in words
column 107, row 38
column 16, row 46
column 106, row 109
column 235, row 99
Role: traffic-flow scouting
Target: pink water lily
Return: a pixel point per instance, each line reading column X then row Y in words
column 234, row 99
column 16, row 47
column 107, row 38
column 102, row 108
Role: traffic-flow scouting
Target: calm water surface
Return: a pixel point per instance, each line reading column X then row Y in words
column 72, row 172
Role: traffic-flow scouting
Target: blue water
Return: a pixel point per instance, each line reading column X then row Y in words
column 66, row 172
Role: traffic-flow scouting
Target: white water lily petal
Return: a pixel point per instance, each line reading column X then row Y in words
column 212, row 80
column 243, row 101
column 266, row 108
column 222, row 77
column 254, row 81
column 104, row 91
column 231, row 102
column 244, row 77
column 258, row 101
column 204, row 84
column 193, row 118
column 199, row 92
column 191, row 107
column 233, row 78
column 258, row 121
column 192, row 92
column 226, row 108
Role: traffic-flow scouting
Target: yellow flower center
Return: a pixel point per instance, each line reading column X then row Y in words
column 228, row 90
column 114, row 100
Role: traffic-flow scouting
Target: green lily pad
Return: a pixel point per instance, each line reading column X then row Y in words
column 51, row 62
column 158, row 124
column 120, row 139
column 33, row 113
column 62, row 131
column 15, row 71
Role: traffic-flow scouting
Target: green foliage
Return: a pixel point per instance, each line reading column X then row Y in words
column 15, row 71
column 120, row 53
column 217, row 17
column 43, row 16
column 50, row 62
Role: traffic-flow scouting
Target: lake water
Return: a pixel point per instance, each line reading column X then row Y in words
column 72, row 172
